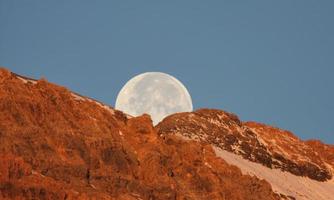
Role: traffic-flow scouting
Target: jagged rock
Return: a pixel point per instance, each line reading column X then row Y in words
column 272, row 147
column 56, row 144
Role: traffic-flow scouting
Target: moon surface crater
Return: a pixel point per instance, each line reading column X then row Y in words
column 155, row 93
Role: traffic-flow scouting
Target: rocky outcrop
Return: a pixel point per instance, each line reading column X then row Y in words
column 272, row 147
column 55, row 144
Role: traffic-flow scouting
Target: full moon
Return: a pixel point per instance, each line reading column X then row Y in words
column 155, row 93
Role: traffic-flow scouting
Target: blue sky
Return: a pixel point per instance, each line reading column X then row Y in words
column 266, row 61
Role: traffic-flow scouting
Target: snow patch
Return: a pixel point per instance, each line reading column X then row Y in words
column 26, row 80
column 215, row 122
column 302, row 188
column 237, row 149
column 208, row 165
column 33, row 172
column 188, row 138
column 81, row 98
column 77, row 97
column 23, row 80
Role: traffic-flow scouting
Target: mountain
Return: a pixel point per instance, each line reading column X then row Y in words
column 294, row 168
column 57, row 144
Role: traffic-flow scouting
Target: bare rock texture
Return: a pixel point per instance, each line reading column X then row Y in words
column 56, row 144
column 270, row 146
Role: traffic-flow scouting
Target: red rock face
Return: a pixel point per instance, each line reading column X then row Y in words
column 324, row 151
column 297, row 156
column 272, row 147
column 55, row 144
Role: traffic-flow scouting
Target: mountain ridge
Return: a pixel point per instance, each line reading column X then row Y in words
column 58, row 144
column 225, row 130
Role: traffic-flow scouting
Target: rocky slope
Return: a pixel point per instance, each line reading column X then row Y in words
column 275, row 149
column 56, row 144
column 272, row 147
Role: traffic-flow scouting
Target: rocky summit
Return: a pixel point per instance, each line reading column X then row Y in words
column 57, row 144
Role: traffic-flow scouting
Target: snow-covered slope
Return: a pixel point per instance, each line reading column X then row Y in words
column 284, row 183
